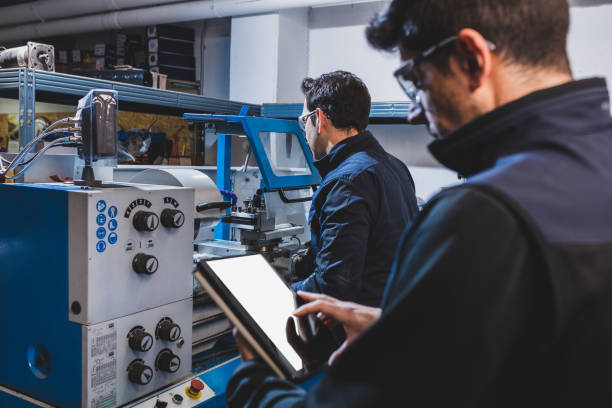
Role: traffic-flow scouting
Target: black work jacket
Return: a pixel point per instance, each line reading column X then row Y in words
column 501, row 292
column 357, row 216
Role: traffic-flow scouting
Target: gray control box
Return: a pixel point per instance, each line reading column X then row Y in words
column 114, row 373
column 130, row 250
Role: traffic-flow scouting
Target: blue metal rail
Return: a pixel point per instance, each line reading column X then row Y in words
column 378, row 110
column 27, row 82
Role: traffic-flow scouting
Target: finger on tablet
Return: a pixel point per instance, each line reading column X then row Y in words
column 314, row 296
column 327, row 308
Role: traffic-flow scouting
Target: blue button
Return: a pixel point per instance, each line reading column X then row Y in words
column 112, row 211
column 112, row 225
column 100, row 233
column 101, row 206
column 101, row 219
column 112, row 238
column 101, row 246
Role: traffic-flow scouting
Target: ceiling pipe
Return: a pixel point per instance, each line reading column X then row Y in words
column 45, row 10
column 164, row 14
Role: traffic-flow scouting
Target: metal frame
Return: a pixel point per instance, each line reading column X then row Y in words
column 252, row 126
column 27, row 105
column 224, row 182
column 27, row 82
column 380, row 112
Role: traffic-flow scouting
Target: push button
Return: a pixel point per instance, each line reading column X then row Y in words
column 194, row 390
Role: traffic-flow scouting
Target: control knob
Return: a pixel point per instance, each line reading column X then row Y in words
column 172, row 218
column 144, row 263
column 168, row 330
column 139, row 339
column 139, row 373
column 145, row 221
column 167, row 361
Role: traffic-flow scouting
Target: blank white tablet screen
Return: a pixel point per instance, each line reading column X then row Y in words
column 264, row 296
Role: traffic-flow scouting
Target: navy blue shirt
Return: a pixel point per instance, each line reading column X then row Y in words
column 357, row 216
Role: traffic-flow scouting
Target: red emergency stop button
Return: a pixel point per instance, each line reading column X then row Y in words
column 195, row 389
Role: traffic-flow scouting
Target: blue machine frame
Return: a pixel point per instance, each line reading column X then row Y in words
column 251, row 126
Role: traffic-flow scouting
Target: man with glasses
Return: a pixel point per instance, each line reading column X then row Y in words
column 501, row 290
column 366, row 197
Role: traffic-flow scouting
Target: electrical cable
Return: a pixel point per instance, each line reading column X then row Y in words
column 17, row 160
column 55, row 143
column 299, row 242
column 27, row 165
column 33, row 142
column 68, row 144
column 48, row 131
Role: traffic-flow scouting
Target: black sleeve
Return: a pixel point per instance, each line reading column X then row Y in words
column 460, row 298
column 345, row 219
column 255, row 385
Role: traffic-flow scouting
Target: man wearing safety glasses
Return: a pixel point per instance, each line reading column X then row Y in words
column 366, row 197
column 501, row 290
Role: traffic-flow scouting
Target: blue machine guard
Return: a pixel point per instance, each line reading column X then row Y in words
column 252, row 126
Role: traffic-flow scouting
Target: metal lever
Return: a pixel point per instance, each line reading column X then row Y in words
column 221, row 205
column 288, row 200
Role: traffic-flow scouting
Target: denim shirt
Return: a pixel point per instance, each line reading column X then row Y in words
column 357, row 216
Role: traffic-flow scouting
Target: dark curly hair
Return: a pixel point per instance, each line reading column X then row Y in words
column 342, row 97
column 528, row 32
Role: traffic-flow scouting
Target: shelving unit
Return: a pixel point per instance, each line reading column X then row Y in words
column 29, row 86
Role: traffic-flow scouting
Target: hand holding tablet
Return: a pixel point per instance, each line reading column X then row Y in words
column 257, row 301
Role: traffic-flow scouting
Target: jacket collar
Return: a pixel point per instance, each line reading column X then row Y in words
column 343, row 150
column 537, row 118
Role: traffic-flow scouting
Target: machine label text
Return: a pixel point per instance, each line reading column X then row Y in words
column 170, row 200
column 136, row 203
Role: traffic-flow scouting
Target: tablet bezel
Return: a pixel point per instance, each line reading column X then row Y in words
column 243, row 321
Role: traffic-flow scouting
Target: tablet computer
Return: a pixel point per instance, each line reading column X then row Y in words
column 258, row 302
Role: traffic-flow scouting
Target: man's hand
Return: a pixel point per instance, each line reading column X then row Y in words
column 246, row 352
column 354, row 318
column 313, row 346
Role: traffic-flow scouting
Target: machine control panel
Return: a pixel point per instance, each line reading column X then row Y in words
column 187, row 394
column 126, row 358
column 117, row 240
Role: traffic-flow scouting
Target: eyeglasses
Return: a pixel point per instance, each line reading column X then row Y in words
column 303, row 118
column 407, row 76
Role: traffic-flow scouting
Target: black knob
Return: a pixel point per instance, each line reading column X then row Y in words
column 139, row 339
column 144, row 263
column 145, row 221
column 167, row 330
column 167, row 361
column 172, row 218
column 139, row 372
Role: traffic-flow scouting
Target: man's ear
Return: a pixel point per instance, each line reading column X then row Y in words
column 322, row 120
column 476, row 57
